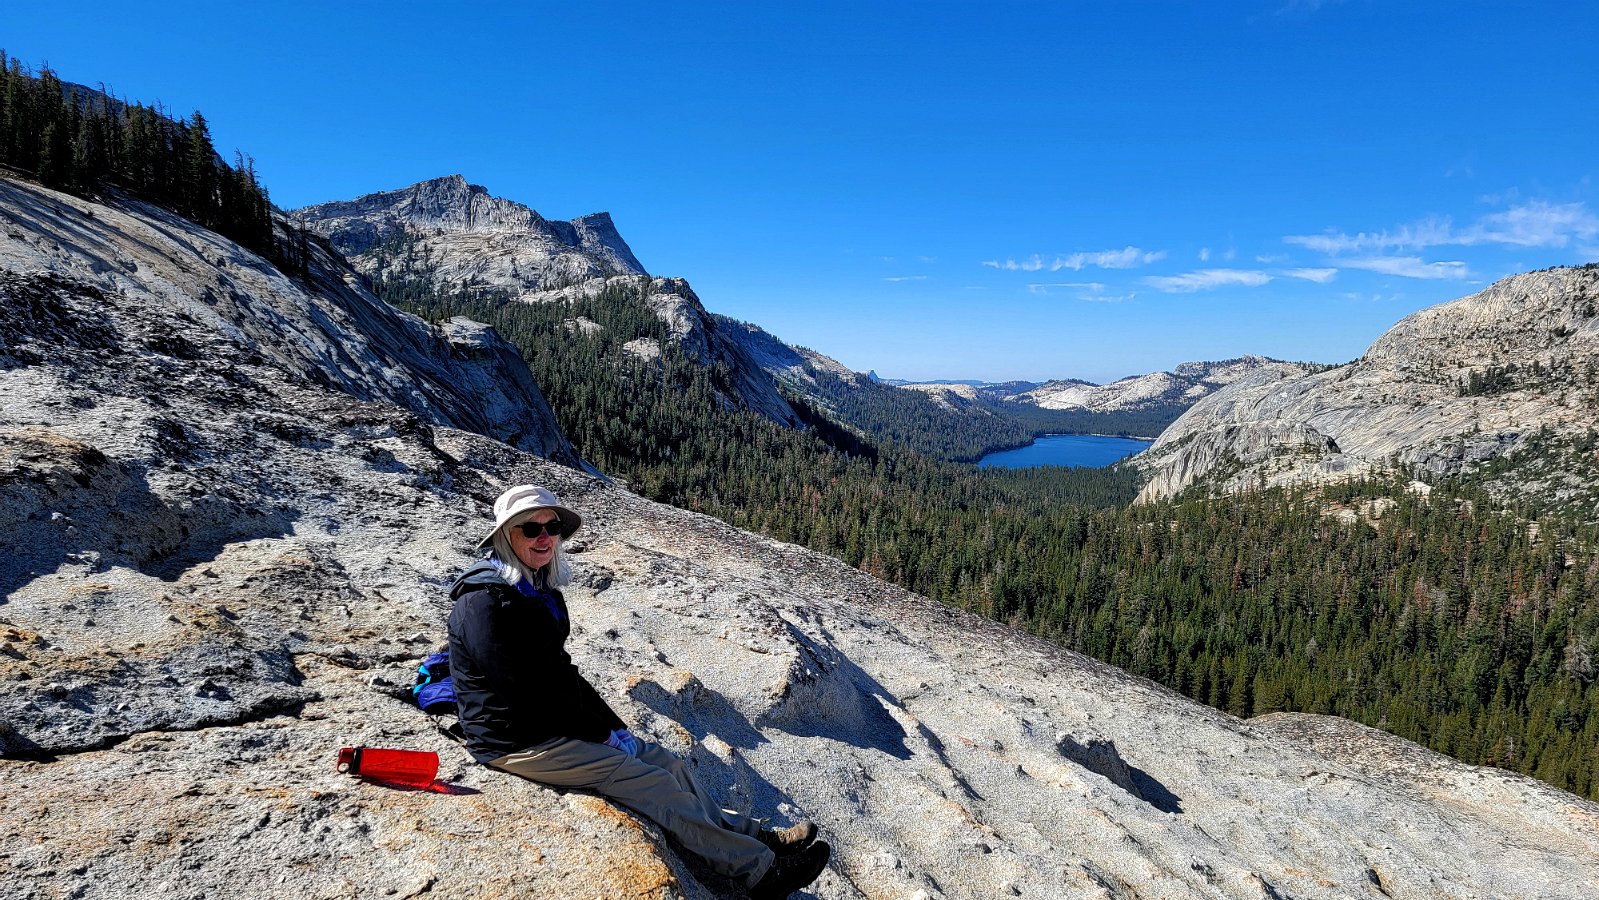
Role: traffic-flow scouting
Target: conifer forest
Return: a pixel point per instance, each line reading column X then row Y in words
column 85, row 142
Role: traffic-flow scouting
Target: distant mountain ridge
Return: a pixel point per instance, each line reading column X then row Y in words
column 1186, row 384
column 796, row 365
column 1506, row 378
column 874, row 410
column 1010, row 411
column 1136, row 406
column 1181, row 387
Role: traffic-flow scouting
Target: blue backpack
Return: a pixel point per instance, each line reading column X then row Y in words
column 434, row 692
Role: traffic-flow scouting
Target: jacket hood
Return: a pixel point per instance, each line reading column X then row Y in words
column 484, row 573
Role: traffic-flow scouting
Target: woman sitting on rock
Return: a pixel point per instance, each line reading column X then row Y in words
column 527, row 710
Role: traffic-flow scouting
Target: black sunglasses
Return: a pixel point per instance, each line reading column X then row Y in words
column 531, row 530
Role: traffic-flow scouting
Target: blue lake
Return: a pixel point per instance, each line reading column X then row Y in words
column 1078, row 450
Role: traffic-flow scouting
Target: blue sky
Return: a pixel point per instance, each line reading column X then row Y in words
column 960, row 190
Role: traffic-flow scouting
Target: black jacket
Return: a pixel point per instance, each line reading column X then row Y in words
column 515, row 685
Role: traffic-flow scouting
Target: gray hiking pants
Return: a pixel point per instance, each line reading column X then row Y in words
column 658, row 785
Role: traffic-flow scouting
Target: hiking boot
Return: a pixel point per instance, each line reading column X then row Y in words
column 790, row 873
column 791, row 840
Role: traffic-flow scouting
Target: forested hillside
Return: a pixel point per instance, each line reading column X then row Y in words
column 912, row 421
column 1437, row 616
column 83, row 142
column 958, row 423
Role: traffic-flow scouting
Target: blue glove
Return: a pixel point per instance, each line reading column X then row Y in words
column 623, row 740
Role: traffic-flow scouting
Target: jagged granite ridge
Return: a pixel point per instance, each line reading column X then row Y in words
column 453, row 235
column 795, row 366
column 468, row 236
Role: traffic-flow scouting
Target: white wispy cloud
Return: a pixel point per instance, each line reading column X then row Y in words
column 905, row 278
column 1535, row 223
column 1320, row 276
column 1087, row 291
column 1204, row 254
column 1046, row 287
column 1430, row 232
column 1410, row 267
column 1207, row 279
column 1126, row 258
column 1011, row 265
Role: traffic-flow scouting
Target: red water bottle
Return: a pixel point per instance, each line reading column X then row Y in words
column 413, row 767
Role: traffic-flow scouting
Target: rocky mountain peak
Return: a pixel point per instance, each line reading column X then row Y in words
column 446, row 204
column 455, row 233
column 1510, row 373
column 1551, row 313
column 1224, row 371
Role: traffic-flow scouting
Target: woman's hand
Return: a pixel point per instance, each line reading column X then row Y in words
column 623, row 740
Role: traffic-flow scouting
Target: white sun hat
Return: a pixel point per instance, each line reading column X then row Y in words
column 517, row 502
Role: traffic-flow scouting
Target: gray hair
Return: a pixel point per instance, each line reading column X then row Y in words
column 554, row 574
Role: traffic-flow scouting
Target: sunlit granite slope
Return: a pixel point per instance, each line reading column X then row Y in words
column 1511, row 370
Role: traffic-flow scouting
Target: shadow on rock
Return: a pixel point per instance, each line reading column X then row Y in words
column 74, row 708
column 17, row 746
column 825, row 694
column 63, row 499
column 699, row 709
column 713, row 720
column 437, row 787
column 220, row 522
column 1102, row 758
